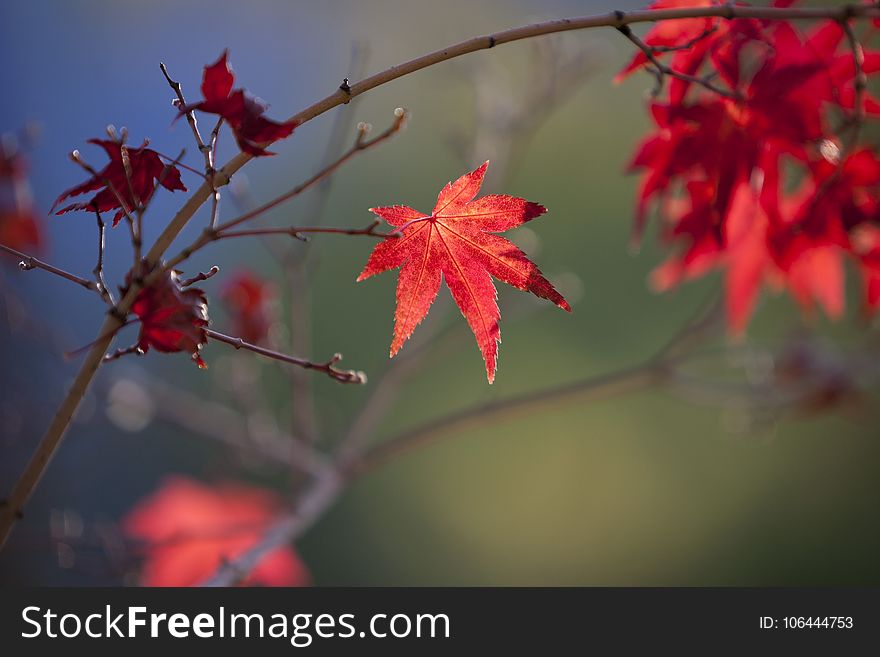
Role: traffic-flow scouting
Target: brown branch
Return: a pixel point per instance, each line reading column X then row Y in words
column 621, row 382
column 295, row 265
column 324, row 491
column 176, row 162
column 351, row 461
column 98, row 271
column 218, row 422
column 207, row 150
column 361, row 144
column 123, row 204
column 201, row 276
column 171, row 164
column 687, row 45
column 125, row 351
column 190, row 116
column 613, row 19
column 327, row 487
column 661, row 71
column 23, row 488
column 860, row 83
column 298, row 232
column 327, row 367
column 29, row 262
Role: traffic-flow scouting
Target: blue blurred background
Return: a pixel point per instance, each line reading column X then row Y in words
column 648, row 488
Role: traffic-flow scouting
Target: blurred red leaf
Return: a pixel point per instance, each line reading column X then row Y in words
column 20, row 230
column 20, row 226
column 190, row 529
column 249, row 301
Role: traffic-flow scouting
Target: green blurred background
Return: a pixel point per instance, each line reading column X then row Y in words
column 642, row 489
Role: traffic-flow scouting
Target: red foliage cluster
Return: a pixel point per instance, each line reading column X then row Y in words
column 136, row 187
column 770, row 182
column 172, row 318
column 240, row 110
column 20, row 226
column 189, row 529
column 248, row 299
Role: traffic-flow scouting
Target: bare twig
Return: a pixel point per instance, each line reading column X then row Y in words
column 327, row 367
column 190, row 115
column 29, row 262
column 361, row 144
column 860, row 82
column 217, row 421
column 98, row 271
column 621, row 382
column 661, row 70
column 119, row 353
column 201, row 276
column 171, row 164
column 687, row 45
column 323, row 492
column 299, row 232
column 207, row 150
column 295, row 264
column 123, row 204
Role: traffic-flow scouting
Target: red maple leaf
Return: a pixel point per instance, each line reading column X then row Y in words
column 190, row 529
column 172, row 318
column 456, row 242
column 146, row 171
column 240, row 110
column 249, row 301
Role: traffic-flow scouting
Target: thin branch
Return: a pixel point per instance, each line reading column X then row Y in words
column 617, row 383
column 207, row 150
column 210, row 172
column 298, row 232
column 860, row 82
column 661, row 70
column 687, row 45
column 171, row 164
column 29, row 262
column 126, row 351
column 295, row 266
column 613, row 19
column 218, row 422
column 336, row 142
column 361, row 144
column 176, row 162
column 190, row 115
column 327, row 367
column 98, row 271
column 201, row 276
column 351, row 461
column 323, row 492
column 123, row 204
